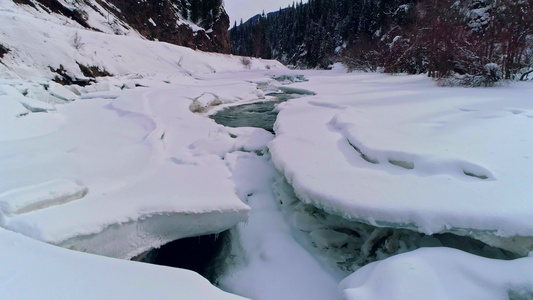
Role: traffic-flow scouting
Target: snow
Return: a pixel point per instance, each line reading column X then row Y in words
column 292, row 90
column 10, row 95
column 266, row 261
column 126, row 156
column 35, row 105
column 10, row 108
column 397, row 151
column 131, row 162
column 194, row 27
column 125, row 166
column 31, row 198
column 138, row 157
column 92, row 14
column 440, row 273
column 208, row 100
column 34, row 270
column 61, row 92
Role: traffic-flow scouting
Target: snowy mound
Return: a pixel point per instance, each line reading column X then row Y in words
column 440, row 273
column 32, row 271
column 400, row 152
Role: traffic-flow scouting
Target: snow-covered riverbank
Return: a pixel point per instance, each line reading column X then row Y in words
column 122, row 171
column 397, row 151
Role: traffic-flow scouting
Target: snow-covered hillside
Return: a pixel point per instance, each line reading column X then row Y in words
column 195, row 24
column 42, row 46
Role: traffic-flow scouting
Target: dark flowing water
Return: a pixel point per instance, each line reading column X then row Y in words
column 197, row 254
column 260, row 114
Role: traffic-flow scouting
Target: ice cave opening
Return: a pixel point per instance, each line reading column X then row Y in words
column 199, row 254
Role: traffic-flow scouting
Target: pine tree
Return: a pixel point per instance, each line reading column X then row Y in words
column 195, row 10
column 184, row 9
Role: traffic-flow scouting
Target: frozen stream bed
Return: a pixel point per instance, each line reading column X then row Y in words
column 370, row 168
column 341, row 244
column 137, row 180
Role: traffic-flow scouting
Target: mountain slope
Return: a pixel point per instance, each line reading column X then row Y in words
column 195, row 24
column 35, row 44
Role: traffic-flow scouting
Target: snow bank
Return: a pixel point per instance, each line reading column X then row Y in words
column 134, row 180
column 396, row 151
column 123, row 167
column 34, row 270
column 126, row 166
column 440, row 273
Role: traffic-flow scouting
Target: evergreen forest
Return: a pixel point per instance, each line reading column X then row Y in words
column 481, row 41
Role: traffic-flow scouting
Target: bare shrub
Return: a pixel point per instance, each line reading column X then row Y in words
column 246, row 62
column 77, row 41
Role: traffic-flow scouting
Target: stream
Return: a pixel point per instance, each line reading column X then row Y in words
column 259, row 114
column 279, row 221
column 347, row 245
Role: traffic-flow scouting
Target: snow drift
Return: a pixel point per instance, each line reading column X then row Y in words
column 35, row 270
column 440, row 273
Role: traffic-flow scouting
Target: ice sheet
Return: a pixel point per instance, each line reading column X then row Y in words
column 398, row 151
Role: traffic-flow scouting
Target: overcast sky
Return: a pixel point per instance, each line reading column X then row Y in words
column 245, row 9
